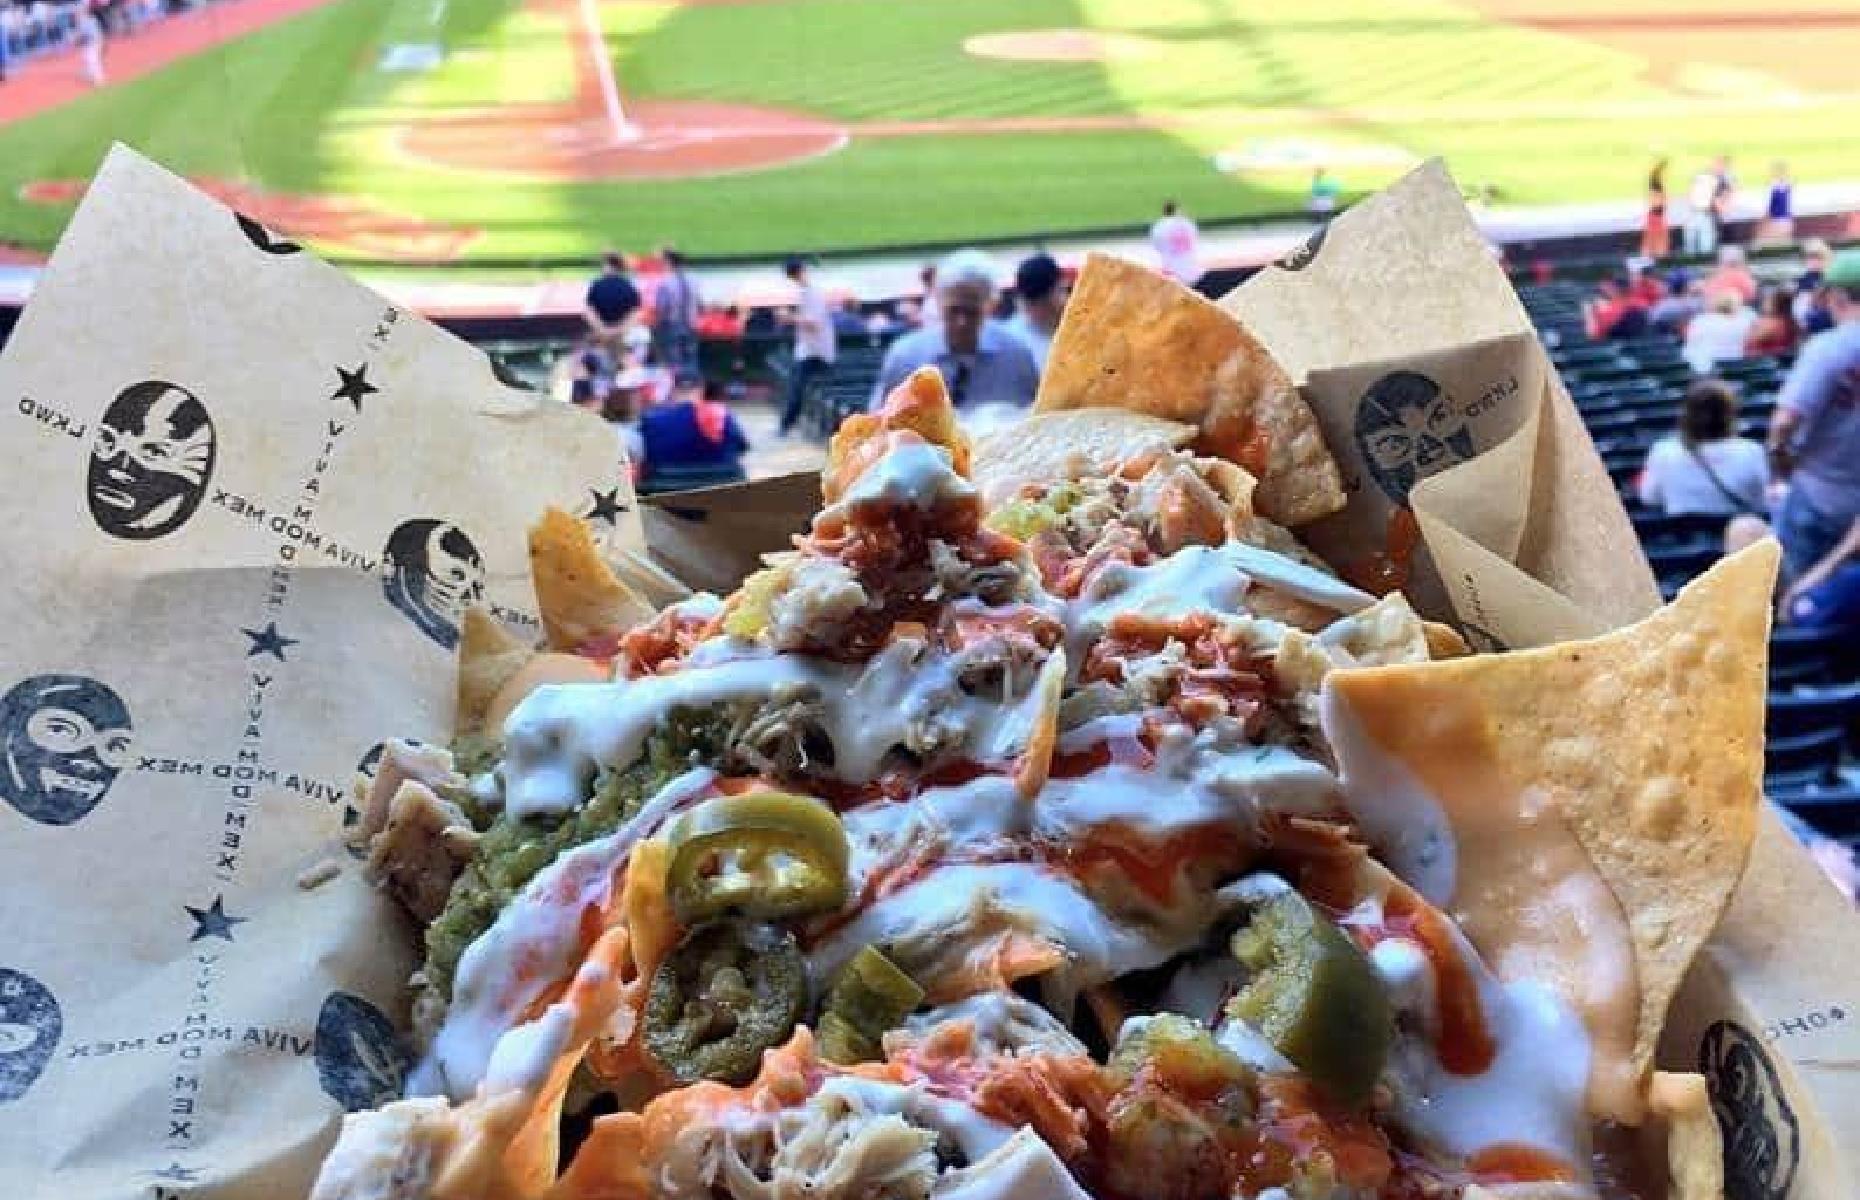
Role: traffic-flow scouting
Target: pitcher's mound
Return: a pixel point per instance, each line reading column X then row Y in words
column 667, row 139
column 1060, row 45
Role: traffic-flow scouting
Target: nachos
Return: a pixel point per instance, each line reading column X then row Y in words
column 1051, row 823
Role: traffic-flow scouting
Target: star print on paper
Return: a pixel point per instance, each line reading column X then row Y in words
column 607, row 506
column 354, row 386
column 213, row 921
column 269, row 641
column 175, row 1172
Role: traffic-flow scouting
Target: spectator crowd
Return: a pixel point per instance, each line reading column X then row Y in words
column 638, row 360
column 32, row 29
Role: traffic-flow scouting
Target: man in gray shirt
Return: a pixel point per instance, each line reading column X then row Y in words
column 982, row 363
column 1814, row 439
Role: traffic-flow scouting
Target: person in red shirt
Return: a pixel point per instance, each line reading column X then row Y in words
column 1733, row 275
column 1775, row 329
column 1617, row 312
column 1643, row 287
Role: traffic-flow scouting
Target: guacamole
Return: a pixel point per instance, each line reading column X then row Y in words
column 512, row 851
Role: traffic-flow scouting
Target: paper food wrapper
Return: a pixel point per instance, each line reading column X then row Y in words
column 246, row 501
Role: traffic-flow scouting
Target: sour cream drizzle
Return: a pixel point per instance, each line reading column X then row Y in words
column 556, row 738
column 1521, row 887
column 529, row 948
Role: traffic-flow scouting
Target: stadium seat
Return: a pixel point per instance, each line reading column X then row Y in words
column 1684, row 560
column 685, row 479
column 1660, row 528
column 1830, row 808
column 1796, row 764
column 1799, row 656
column 1812, row 710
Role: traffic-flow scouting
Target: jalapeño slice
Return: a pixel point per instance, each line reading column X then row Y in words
column 1314, row 996
column 870, row 997
column 769, row 855
column 730, row 990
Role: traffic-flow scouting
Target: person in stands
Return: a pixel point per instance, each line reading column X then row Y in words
column 1656, row 236
column 1733, row 275
column 982, row 363
column 1774, row 331
column 694, row 431
column 1176, row 239
column 815, row 343
column 1811, row 310
column 1779, row 213
column 1827, row 596
column 927, row 314
column 1685, row 299
column 675, row 315
column 90, row 38
column 1643, row 285
column 1701, row 226
column 611, row 303
column 1814, row 438
column 1717, row 334
column 849, row 319
column 1616, row 312
column 1321, row 200
column 1705, row 467
column 1042, row 291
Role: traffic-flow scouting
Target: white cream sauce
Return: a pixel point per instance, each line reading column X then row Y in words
column 929, row 923
column 913, row 475
column 1197, row 579
column 1534, row 1091
column 1403, row 823
column 954, row 903
column 1250, row 1046
column 906, row 695
column 531, row 947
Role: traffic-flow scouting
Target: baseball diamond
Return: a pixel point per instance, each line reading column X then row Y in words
column 467, row 131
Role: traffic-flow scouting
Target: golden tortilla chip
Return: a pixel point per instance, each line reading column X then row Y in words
column 921, row 406
column 1133, row 338
column 547, row 667
column 1053, row 447
column 1443, row 641
column 1648, row 744
column 489, row 656
column 1694, row 1144
column 582, row 602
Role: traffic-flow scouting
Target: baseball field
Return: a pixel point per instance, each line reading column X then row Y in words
column 514, row 130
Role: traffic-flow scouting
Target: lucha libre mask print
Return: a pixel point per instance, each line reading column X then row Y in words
column 432, row 571
column 30, row 1026
column 63, row 739
column 1408, row 429
column 1762, row 1139
column 151, row 461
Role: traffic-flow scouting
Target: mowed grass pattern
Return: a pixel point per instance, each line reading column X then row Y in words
column 1542, row 114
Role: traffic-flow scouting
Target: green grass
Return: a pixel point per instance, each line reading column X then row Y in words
column 301, row 107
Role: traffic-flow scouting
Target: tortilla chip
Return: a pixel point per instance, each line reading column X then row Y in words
column 919, row 406
column 1444, row 641
column 489, row 656
column 582, row 602
column 1694, row 1144
column 1053, row 447
column 1647, row 741
column 1133, row 338
column 1036, row 760
column 546, row 667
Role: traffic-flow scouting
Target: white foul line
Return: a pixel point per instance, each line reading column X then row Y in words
column 623, row 129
